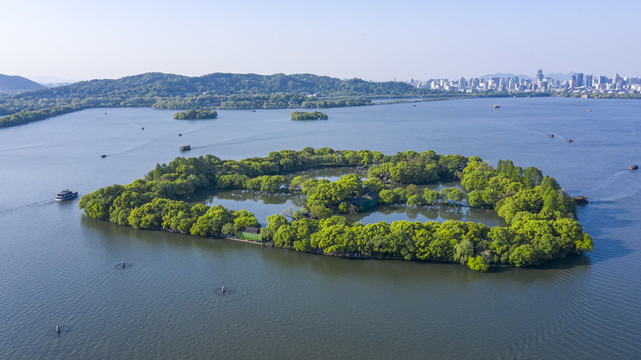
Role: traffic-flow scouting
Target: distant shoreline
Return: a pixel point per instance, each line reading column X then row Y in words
column 28, row 116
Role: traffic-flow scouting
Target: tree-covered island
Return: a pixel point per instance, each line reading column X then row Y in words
column 541, row 217
column 196, row 114
column 314, row 115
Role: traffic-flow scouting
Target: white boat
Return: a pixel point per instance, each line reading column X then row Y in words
column 66, row 195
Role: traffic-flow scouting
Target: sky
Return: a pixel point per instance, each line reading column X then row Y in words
column 70, row 40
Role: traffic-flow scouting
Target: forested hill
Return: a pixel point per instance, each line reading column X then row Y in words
column 163, row 85
column 12, row 84
column 214, row 91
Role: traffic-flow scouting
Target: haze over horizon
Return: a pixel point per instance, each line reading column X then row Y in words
column 81, row 40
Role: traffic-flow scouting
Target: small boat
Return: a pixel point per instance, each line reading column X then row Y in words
column 551, row 136
column 185, row 148
column 103, row 156
column 497, row 106
column 581, row 200
column 180, row 134
column 569, row 140
column 66, row 195
column 253, row 110
column 588, row 110
column 634, row 167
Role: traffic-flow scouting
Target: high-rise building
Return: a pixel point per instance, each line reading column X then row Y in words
column 579, row 79
column 539, row 75
column 616, row 79
column 588, row 80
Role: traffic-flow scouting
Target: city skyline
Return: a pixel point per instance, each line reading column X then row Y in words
column 559, row 77
column 371, row 40
column 576, row 83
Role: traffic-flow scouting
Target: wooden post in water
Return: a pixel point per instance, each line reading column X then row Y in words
column 57, row 329
column 123, row 264
column 223, row 289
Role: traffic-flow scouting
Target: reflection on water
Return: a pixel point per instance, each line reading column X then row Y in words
column 263, row 205
column 266, row 204
column 256, row 196
column 330, row 173
column 392, row 213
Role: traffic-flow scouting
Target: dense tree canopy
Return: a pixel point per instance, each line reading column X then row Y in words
column 541, row 216
column 314, row 115
column 196, row 114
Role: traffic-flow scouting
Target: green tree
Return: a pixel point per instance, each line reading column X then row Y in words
column 523, row 255
column 274, row 222
column 463, row 251
column 212, row 222
column 285, row 236
column 387, row 196
column 243, row 219
column 478, row 263
column 431, row 196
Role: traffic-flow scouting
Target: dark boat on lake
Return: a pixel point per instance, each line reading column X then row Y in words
column 634, row 167
column 581, row 200
column 103, row 156
column 65, row 195
column 185, row 148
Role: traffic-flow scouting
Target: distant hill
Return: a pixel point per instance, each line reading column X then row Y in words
column 163, row 85
column 215, row 91
column 15, row 84
column 505, row 75
column 560, row 76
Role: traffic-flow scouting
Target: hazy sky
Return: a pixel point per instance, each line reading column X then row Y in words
column 373, row 40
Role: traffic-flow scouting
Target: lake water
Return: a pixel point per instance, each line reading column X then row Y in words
column 58, row 267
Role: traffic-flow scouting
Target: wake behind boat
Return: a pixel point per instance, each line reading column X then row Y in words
column 66, row 195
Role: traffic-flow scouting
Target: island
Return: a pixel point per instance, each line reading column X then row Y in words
column 314, row 115
column 196, row 114
column 541, row 218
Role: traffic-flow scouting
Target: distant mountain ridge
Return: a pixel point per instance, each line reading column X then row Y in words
column 560, row 76
column 218, row 90
column 15, row 84
column 162, row 85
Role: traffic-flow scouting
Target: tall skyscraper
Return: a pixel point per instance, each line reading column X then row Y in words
column 579, row 79
column 588, row 80
column 616, row 79
column 539, row 75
